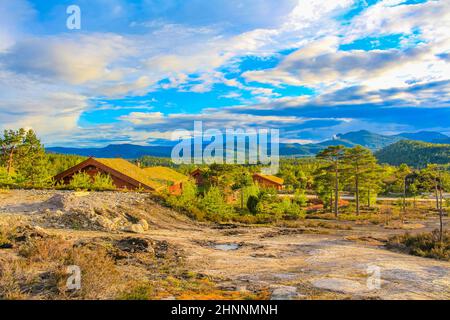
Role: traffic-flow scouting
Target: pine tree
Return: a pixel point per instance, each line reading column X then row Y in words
column 334, row 155
column 360, row 164
column 23, row 155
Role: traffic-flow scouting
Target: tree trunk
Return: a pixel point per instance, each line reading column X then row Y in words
column 357, row 194
column 436, row 193
column 368, row 197
column 336, row 192
column 10, row 161
column 441, row 214
column 404, row 202
column 331, row 200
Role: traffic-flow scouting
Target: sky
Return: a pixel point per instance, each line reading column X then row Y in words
column 138, row 70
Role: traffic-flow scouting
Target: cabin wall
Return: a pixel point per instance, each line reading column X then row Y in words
column 176, row 189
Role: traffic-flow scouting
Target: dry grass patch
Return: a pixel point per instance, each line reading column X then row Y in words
column 36, row 268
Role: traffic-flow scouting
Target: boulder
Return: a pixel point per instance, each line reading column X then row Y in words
column 135, row 228
column 105, row 223
column 144, row 224
column 285, row 293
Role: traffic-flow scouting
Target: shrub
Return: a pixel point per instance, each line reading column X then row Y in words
column 300, row 198
column 423, row 245
column 252, row 203
column 12, row 274
column 5, row 178
column 80, row 181
column 248, row 191
column 102, row 182
column 294, row 211
column 49, row 250
column 214, row 205
column 100, row 277
column 187, row 201
column 138, row 291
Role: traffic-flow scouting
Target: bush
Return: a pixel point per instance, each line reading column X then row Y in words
column 248, row 191
column 300, row 198
column 214, row 205
column 80, row 181
column 138, row 291
column 103, row 182
column 187, row 201
column 423, row 245
column 252, row 203
column 83, row 181
column 100, row 277
column 5, row 178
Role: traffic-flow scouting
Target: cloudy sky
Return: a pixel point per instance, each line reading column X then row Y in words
column 139, row 69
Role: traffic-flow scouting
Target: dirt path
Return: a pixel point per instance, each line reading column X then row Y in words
column 290, row 263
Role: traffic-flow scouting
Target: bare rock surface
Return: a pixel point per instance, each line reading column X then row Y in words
column 340, row 285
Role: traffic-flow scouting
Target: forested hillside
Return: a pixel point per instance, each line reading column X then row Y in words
column 414, row 153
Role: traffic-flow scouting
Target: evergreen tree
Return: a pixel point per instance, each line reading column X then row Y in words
column 360, row 164
column 438, row 178
column 334, row 155
column 402, row 174
column 24, row 157
column 10, row 145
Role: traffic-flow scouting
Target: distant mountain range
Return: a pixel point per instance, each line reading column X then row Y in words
column 370, row 140
column 364, row 138
column 127, row 151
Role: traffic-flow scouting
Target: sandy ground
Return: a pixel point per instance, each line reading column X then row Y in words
column 292, row 263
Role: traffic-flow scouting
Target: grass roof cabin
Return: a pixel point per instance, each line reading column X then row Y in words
column 167, row 177
column 124, row 174
column 268, row 181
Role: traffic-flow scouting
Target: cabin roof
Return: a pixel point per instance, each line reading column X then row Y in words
column 127, row 168
column 164, row 174
column 196, row 171
column 273, row 179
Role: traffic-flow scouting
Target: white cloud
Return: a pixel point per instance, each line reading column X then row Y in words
column 72, row 59
column 322, row 65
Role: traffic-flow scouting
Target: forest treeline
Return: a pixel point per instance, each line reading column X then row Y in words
column 414, row 153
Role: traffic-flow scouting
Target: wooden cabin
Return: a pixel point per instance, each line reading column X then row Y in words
column 126, row 175
column 197, row 175
column 268, row 181
column 172, row 179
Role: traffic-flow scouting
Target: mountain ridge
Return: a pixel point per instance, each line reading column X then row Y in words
column 364, row 138
column 414, row 153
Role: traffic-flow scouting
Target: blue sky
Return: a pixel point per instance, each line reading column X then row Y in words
column 138, row 70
